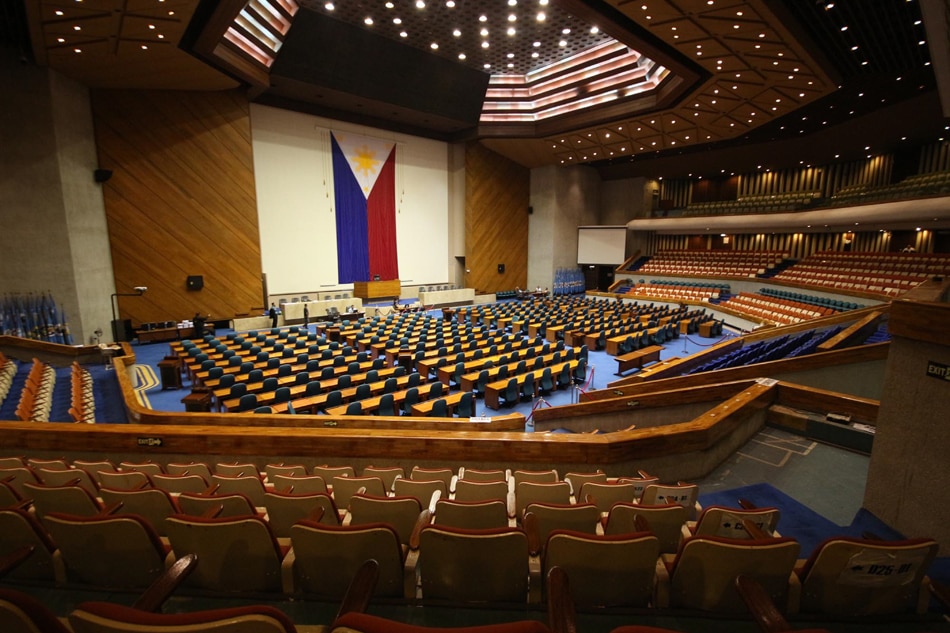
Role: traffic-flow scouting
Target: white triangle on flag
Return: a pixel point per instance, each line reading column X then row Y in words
column 365, row 155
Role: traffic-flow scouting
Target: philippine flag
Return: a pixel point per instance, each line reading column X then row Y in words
column 364, row 184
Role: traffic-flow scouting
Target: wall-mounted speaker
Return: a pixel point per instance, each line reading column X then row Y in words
column 530, row 210
column 195, row 282
column 102, row 175
column 501, row 269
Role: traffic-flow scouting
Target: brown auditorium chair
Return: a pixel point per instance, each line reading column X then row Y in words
column 67, row 499
column 19, row 529
column 701, row 575
column 580, row 517
column 95, row 467
column 284, row 510
column 424, row 491
column 236, row 469
column 68, row 477
column 325, row 558
column 299, row 484
column 728, row 522
column 16, row 476
column 858, row 577
column 345, row 487
column 250, row 486
column 527, row 492
column 201, row 504
column 147, row 467
column 474, row 566
column 472, row 515
column 389, row 474
column 606, row 570
column 605, row 494
column 483, row 476
column 537, row 476
column 113, row 551
column 152, row 504
column 180, row 483
column 579, row 479
column 189, row 468
column 401, row 513
column 125, row 480
column 682, row 494
column 236, row 554
column 666, row 522
column 294, row 470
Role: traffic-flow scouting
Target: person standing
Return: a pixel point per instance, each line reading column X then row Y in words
column 198, row 325
column 306, row 316
column 273, row 313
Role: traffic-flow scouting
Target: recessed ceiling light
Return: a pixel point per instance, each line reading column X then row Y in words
column 511, row 31
column 457, row 33
column 462, row 56
column 397, row 20
column 420, row 4
column 434, row 46
column 329, row 6
column 485, row 44
column 540, row 17
column 368, row 21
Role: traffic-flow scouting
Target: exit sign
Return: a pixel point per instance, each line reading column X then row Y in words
column 938, row 370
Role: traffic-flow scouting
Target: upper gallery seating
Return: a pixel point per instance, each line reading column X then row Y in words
column 916, row 186
column 887, row 274
column 767, row 203
column 736, row 264
column 774, row 309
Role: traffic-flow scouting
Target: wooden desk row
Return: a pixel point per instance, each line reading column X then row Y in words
column 494, row 390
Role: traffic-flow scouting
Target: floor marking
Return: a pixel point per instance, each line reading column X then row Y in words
column 144, row 378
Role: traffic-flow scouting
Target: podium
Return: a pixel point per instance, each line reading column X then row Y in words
column 390, row 289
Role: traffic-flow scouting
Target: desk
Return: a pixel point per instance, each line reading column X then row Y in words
column 390, row 289
column 637, row 358
column 170, row 371
column 197, row 401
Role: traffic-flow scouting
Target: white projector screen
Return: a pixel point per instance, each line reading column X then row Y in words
column 601, row 244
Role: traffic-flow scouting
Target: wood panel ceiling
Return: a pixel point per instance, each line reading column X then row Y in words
column 743, row 70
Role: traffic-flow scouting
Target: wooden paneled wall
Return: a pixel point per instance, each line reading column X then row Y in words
column 497, row 194
column 181, row 201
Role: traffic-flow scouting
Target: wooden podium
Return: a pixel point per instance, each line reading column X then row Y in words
column 377, row 289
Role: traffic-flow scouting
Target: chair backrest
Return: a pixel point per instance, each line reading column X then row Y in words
column 189, row 468
column 538, row 476
column 444, row 475
column 124, row 480
column 254, row 566
column 346, row 487
column 859, row 577
column 293, row 470
column 484, row 476
column 472, row 515
column 421, row 490
column 19, row 528
column 66, row 499
column 69, row 477
column 105, row 617
column 640, row 483
column 283, row 510
column 529, row 492
column 481, row 491
column 666, row 522
column 605, row 495
column 329, row 472
column 388, row 474
column 232, row 505
column 16, row 476
column 180, row 483
column 680, row 494
column 401, row 513
column 473, row 565
column 722, row 521
column 299, row 484
column 250, row 486
column 327, row 557
column 108, row 551
column 152, row 504
column 605, row 571
column 719, row 560
column 581, row 517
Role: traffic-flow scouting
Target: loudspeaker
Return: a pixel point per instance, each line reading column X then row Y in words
column 530, row 210
column 122, row 330
column 501, row 268
column 195, row 282
column 102, row 175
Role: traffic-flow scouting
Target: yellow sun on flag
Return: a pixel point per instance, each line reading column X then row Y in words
column 365, row 160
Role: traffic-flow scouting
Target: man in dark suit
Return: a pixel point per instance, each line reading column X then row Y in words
column 273, row 314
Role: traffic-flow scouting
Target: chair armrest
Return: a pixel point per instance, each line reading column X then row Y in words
column 754, row 530
column 410, row 577
column 760, row 605
column 360, row 590
column 165, row 585
column 287, row 571
column 425, row 517
column 661, row 591
column 111, row 509
column 745, row 504
column 12, row 560
column 562, row 617
column 436, row 495
column 530, row 525
column 534, row 579
column 213, row 511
